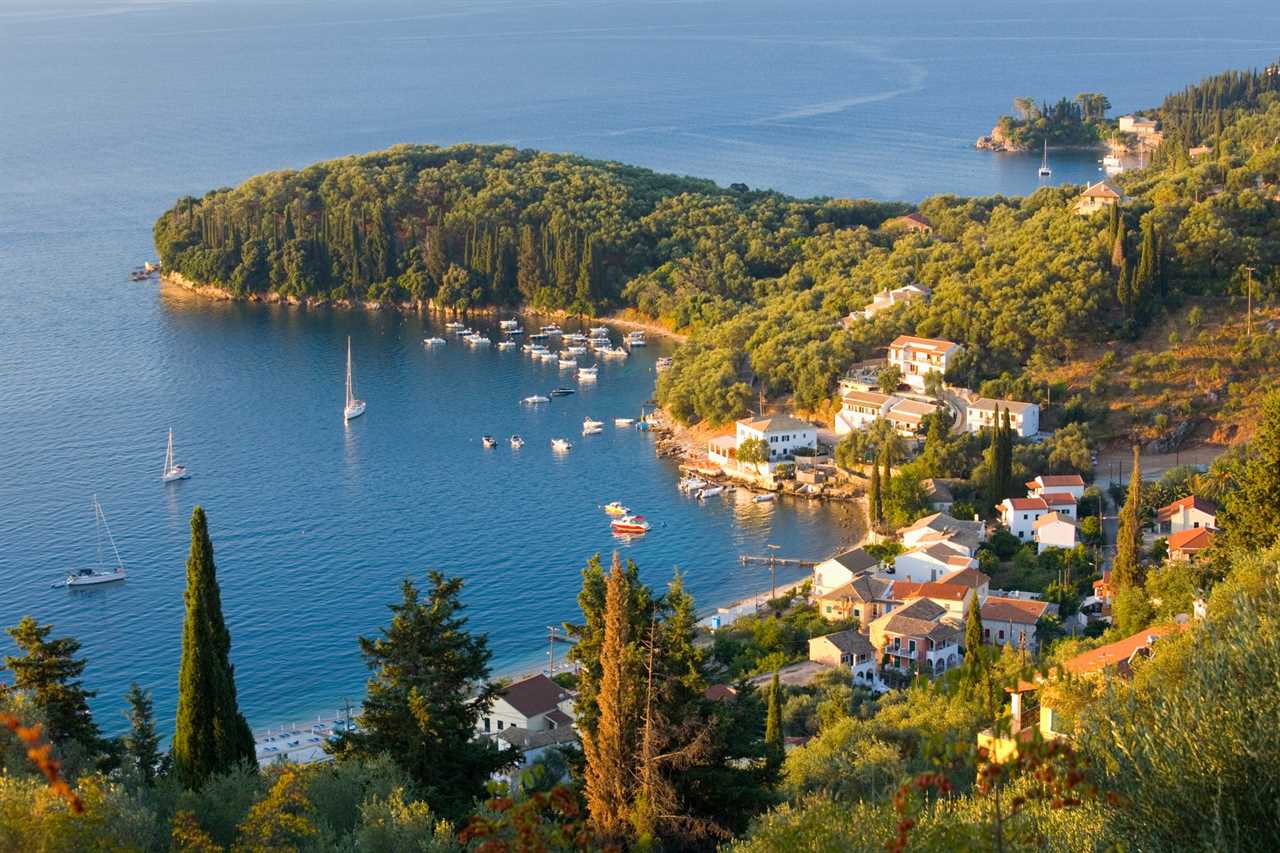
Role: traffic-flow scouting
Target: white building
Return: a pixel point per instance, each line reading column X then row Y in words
column 1024, row 418
column 835, row 572
column 907, row 417
column 917, row 357
column 963, row 537
column 1019, row 515
column 1053, row 530
column 1062, row 503
column 859, row 409
column 1188, row 513
column 1137, row 126
column 1072, row 484
column 848, row 649
column 782, row 434
column 929, row 563
column 886, row 299
column 534, row 704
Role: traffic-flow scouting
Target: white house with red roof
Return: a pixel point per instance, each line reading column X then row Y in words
column 1020, row 515
column 1024, row 418
column 1189, row 513
column 1054, row 530
column 917, row 357
column 1071, row 484
column 954, row 598
column 1186, row 545
column 926, row 563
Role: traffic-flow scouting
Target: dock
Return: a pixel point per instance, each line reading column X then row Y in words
column 777, row 561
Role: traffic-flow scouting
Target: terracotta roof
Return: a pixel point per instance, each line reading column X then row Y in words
column 971, row 578
column 932, row 344
column 720, row 693
column 1115, row 653
column 904, row 590
column 1052, row 518
column 775, row 423
column 1022, row 611
column 869, row 398
column 534, row 695
column 1193, row 539
column 1189, row 502
column 1101, row 190
column 990, row 405
column 1059, row 480
column 1025, row 503
column 1059, row 498
column 914, row 218
column 849, row 642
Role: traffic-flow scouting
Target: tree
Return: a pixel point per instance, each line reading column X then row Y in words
column 210, row 735
column 934, row 384
column 1126, row 571
column 1249, row 511
column 610, row 749
column 142, row 743
column 774, row 749
column 753, row 452
column 427, row 697
column 875, row 504
column 886, row 482
column 889, row 378
column 973, row 635
column 529, row 275
column 48, row 672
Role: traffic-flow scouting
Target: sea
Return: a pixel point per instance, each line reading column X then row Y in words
column 111, row 109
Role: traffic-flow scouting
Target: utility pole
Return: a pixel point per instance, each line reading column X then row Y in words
column 551, row 651
column 773, row 570
column 1248, row 316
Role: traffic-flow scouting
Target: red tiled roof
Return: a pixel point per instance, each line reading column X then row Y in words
column 1061, row 480
column 1189, row 502
column 971, row 578
column 1019, row 610
column 1026, row 503
column 1059, row 498
column 720, row 693
column 1052, row 518
column 1113, row 653
column 923, row 343
column 903, row 590
column 1193, row 539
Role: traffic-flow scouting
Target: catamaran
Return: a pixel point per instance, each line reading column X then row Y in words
column 353, row 408
column 172, row 472
column 1045, row 171
column 91, row 577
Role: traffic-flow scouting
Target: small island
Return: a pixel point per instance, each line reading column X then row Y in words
column 1079, row 122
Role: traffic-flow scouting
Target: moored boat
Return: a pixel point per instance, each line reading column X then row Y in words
column 561, row 392
column 552, row 330
column 506, row 345
column 613, row 352
column 507, row 325
column 588, row 374
column 100, row 575
column 592, row 430
column 710, row 492
column 692, row 484
column 636, row 339
column 568, row 363
column 767, row 497
column 172, row 471
column 616, row 508
column 434, row 342
column 630, row 524
column 353, row 408
column 516, row 442
column 536, row 398
column 560, row 444
column 591, row 422
column 488, row 441
column 454, row 326
column 623, row 422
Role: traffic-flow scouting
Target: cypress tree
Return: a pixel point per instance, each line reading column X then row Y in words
column 1145, row 276
column 1006, row 456
column 875, row 507
column 973, row 634
column 1126, row 571
column 142, row 743
column 48, row 673
column 995, row 481
column 611, row 749
column 210, row 736
column 529, row 276
column 774, row 748
column 886, row 456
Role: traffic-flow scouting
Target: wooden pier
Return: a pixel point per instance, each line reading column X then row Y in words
column 776, row 561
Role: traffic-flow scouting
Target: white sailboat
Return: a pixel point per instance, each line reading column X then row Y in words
column 1045, row 171
column 353, row 408
column 172, row 472
column 100, row 575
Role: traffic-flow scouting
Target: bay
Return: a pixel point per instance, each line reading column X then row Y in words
column 110, row 110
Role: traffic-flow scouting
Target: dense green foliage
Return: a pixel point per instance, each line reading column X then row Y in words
column 48, row 673
column 1077, row 122
column 210, row 736
column 426, row 697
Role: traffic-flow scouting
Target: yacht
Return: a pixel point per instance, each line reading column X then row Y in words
column 568, row 363
column 560, row 444
column 434, row 342
column 561, row 392
column 508, row 325
column 630, row 524
column 616, row 508
column 353, row 407
column 623, row 422
column 1045, row 171
column 1112, row 164
column 516, row 442
column 506, row 345
column 536, row 398
column 488, row 441
column 100, row 575
column 636, row 339
column 171, row 471
column 588, row 374
column 553, row 330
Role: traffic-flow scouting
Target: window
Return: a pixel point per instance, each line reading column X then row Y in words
column 897, row 642
column 1000, row 635
column 487, row 723
column 857, row 614
column 911, row 646
column 986, row 634
column 499, row 725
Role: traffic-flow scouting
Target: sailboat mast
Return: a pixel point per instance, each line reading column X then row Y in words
column 103, row 517
column 168, row 454
column 349, row 394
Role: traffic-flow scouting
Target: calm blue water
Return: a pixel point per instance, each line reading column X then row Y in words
column 109, row 110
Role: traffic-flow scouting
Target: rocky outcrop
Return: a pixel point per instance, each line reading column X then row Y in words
column 997, row 141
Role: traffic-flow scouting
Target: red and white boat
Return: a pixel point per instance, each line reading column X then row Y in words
column 630, row 524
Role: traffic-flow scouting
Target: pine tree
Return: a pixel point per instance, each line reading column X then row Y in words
column 427, row 698
column 774, row 748
column 1126, row 571
column 610, row 749
column 875, row 505
column 210, row 736
column 48, row 673
column 142, row 743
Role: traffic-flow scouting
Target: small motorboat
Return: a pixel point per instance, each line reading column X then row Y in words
column 506, row 345
column 568, row 363
column 464, row 332
column 613, row 352
column 576, row 350
column 574, row 338
column 548, row 355
column 588, row 374
column 767, row 497
column 508, row 325
column 553, row 330
column 616, row 508
column 561, row 392
column 623, row 422
column 710, row 492
column 538, row 336
column 454, row 326
column 560, row 444
column 692, row 484
column 536, row 398
column 488, row 441
column 517, row 442
column 534, row 349
column 478, row 340
column 434, row 342
column 599, row 331
column 592, row 430
column 630, row 524
column 591, row 423
column 514, row 332
column 636, row 339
